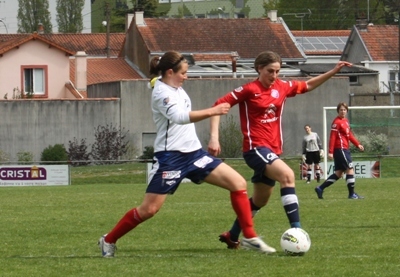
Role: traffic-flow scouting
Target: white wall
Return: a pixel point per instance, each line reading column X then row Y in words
column 383, row 68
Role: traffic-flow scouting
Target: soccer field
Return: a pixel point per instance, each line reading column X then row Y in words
column 53, row 231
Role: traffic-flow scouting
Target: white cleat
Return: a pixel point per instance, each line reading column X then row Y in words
column 107, row 249
column 257, row 244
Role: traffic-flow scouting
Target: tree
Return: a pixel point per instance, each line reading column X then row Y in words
column 31, row 13
column 69, row 16
column 330, row 14
column 148, row 6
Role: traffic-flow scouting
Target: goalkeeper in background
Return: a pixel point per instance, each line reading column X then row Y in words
column 312, row 152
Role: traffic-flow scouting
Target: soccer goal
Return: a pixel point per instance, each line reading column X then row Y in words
column 378, row 130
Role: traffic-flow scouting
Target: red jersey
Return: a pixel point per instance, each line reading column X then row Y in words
column 260, row 111
column 341, row 135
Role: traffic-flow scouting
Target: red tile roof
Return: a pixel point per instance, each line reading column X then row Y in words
column 248, row 37
column 92, row 44
column 106, row 70
column 382, row 42
column 11, row 41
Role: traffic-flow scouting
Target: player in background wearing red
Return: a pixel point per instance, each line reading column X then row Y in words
column 261, row 105
column 339, row 143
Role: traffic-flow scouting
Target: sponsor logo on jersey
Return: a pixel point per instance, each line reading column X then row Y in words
column 171, row 174
column 165, row 101
column 274, row 93
column 239, row 89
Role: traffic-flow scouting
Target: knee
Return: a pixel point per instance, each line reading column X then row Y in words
column 287, row 179
column 148, row 211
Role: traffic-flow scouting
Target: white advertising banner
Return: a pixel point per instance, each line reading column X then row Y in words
column 34, row 175
column 362, row 169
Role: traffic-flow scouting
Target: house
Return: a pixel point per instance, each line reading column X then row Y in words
column 376, row 47
column 45, row 66
column 212, row 44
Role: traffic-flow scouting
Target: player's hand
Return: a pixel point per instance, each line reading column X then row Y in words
column 214, row 148
column 361, row 147
column 222, row 109
column 321, row 154
column 330, row 156
column 303, row 158
column 342, row 64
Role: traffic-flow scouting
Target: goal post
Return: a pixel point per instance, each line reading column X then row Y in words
column 376, row 127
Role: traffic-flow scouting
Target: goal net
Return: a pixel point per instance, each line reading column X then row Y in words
column 377, row 128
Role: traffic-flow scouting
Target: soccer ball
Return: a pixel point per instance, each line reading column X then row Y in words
column 295, row 242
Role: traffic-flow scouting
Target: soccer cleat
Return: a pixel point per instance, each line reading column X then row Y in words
column 356, row 196
column 318, row 178
column 226, row 238
column 256, row 244
column 319, row 192
column 307, row 182
column 107, row 249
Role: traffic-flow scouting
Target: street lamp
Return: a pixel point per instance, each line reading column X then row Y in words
column 1, row 20
column 301, row 16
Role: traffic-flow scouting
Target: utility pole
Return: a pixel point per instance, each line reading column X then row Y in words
column 108, row 29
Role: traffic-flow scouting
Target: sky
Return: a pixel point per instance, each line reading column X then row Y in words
column 9, row 11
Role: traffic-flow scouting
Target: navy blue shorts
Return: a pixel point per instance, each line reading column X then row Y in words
column 171, row 167
column 257, row 159
column 342, row 159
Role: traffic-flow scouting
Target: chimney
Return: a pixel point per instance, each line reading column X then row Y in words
column 273, row 15
column 139, row 20
column 128, row 21
column 81, row 71
column 40, row 28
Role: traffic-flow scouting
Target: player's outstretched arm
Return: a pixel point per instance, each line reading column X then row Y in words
column 320, row 79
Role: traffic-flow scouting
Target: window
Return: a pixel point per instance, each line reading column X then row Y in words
column 353, row 80
column 34, row 81
column 394, row 80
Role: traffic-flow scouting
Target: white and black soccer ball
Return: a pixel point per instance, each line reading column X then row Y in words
column 295, row 242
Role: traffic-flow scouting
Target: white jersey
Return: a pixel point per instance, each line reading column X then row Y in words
column 311, row 143
column 171, row 107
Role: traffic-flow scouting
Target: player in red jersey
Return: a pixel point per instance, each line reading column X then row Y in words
column 339, row 144
column 261, row 104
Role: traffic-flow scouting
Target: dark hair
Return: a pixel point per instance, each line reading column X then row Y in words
column 170, row 60
column 266, row 58
column 340, row 105
column 307, row 126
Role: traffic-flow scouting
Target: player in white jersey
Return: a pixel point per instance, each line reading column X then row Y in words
column 312, row 152
column 178, row 154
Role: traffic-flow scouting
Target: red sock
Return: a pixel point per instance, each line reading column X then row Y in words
column 241, row 205
column 129, row 221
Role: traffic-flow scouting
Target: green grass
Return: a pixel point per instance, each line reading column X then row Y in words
column 53, row 231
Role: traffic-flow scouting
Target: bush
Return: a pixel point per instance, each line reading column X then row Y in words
column 373, row 143
column 230, row 138
column 110, row 144
column 24, row 157
column 148, row 153
column 4, row 157
column 78, row 152
column 55, row 153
